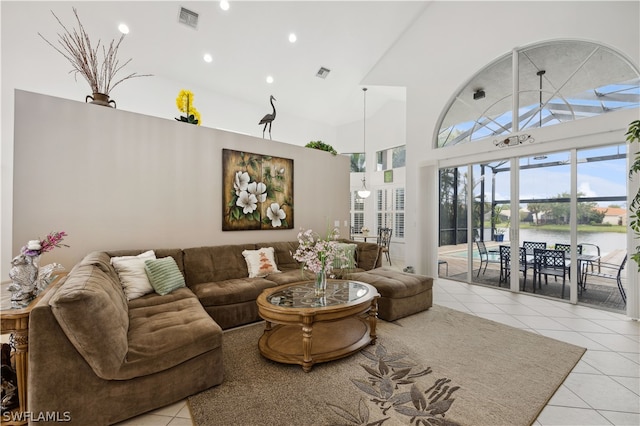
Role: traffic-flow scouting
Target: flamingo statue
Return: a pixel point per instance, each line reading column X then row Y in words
column 268, row 119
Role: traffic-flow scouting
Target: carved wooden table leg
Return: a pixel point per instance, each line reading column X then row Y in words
column 373, row 320
column 307, row 330
column 267, row 327
column 20, row 340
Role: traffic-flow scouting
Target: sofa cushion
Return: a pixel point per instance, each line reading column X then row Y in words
column 164, row 275
column 394, row 284
column 102, row 261
column 345, row 273
column 368, row 255
column 231, row 291
column 283, row 251
column 132, row 274
column 212, row 264
column 261, row 262
column 292, row 276
column 90, row 300
column 165, row 331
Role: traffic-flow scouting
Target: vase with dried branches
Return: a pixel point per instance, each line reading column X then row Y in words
column 100, row 73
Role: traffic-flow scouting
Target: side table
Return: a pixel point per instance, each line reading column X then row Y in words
column 15, row 321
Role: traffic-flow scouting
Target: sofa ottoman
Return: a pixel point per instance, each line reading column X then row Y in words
column 401, row 294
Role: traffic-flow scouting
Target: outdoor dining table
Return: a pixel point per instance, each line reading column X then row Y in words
column 583, row 261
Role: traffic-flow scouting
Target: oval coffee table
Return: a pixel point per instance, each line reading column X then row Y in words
column 305, row 329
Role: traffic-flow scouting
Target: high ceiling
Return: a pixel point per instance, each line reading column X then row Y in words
column 250, row 41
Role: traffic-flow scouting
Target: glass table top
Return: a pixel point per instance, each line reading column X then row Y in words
column 302, row 295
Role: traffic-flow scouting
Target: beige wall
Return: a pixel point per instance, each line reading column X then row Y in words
column 114, row 179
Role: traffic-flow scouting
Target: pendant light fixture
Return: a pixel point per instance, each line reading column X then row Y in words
column 540, row 74
column 364, row 192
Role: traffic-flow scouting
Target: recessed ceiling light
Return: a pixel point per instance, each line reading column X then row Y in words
column 224, row 5
column 207, row 57
column 292, row 38
column 269, row 79
column 124, row 29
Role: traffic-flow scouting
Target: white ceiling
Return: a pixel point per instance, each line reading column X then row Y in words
column 250, row 41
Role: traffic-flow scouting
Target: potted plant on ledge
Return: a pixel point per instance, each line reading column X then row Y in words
column 321, row 146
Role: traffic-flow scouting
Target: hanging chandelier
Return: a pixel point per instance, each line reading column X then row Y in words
column 364, row 192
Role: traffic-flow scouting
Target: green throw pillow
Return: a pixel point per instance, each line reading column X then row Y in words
column 349, row 252
column 164, row 275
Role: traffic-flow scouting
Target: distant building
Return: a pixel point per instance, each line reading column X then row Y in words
column 613, row 215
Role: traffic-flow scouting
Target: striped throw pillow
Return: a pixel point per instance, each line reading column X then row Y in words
column 164, row 275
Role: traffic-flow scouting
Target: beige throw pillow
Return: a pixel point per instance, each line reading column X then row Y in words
column 132, row 274
column 260, row 263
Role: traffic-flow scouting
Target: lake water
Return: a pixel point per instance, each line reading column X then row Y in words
column 607, row 241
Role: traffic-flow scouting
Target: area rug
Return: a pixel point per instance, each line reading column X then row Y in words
column 438, row 367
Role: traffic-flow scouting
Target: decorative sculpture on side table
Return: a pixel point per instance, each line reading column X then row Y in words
column 27, row 280
column 23, row 273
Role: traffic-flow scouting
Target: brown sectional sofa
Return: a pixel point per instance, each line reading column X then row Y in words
column 102, row 358
column 96, row 358
column 218, row 276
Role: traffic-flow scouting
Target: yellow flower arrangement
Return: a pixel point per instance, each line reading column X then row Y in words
column 184, row 102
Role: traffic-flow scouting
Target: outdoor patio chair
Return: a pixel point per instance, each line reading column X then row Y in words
column 505, row 264
column 484, row 257
column 567, row 247
column 529, row 246
column 592, row 249
column 608, row 271
column 549, row 262
column 384, row 241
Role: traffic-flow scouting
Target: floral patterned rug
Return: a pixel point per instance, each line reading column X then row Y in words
column 439, row 367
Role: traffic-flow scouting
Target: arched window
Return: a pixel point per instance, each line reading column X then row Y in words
column 555, row 81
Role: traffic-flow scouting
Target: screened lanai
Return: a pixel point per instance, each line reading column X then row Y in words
column 557, row 81
column 556, row 191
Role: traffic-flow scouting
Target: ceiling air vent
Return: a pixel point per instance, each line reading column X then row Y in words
column 323, row 72
column 188, row 17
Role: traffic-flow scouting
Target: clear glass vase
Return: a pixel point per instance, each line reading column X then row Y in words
column 321, row 283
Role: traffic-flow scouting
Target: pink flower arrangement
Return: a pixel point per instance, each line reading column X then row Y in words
column 51, row 241
column 317, row 254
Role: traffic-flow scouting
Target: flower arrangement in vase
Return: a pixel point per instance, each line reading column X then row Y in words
column 318, row 255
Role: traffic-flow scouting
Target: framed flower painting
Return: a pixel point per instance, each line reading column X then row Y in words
column 257, row 191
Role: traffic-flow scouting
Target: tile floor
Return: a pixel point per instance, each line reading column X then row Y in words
column 603, row 389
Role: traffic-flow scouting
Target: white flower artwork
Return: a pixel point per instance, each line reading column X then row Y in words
column 257, row 190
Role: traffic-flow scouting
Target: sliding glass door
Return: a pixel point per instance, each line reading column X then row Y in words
column 571, row 201
column 602, row 224
column 453, row 222
column 491, row 221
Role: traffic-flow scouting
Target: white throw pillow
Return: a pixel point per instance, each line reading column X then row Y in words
column 260, row 263
column 133, row 277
